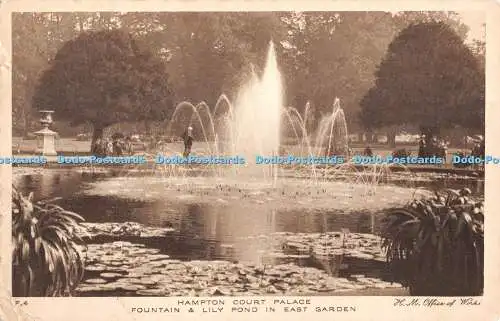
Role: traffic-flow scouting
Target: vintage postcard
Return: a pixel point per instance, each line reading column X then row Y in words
column 249, row 159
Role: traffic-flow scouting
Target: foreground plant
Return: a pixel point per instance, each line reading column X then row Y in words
column 46, row 256
column 435, row 246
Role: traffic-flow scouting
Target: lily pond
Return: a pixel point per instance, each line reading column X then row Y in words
column 153, row 235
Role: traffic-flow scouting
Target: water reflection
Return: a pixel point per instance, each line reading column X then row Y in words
column 204, row 231
column 52, row 183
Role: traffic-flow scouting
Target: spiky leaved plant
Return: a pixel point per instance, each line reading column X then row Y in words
column 46, row 255
column 435, row 246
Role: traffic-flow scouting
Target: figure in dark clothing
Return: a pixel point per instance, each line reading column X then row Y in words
column 108, row 147
column 434, row 147
column 188, row 141
column 368, row 151
column 422, row 147
column 128, row 146
column 97, row 148
column 117, row 147
column 481, row 147
column 442, row 150
column 478, row 149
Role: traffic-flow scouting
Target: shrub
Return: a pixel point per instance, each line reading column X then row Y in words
column 436, row 246
column 401, row 153
column 460, row 165
column 46, row 256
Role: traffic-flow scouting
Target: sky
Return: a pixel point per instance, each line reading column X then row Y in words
column 475, row 20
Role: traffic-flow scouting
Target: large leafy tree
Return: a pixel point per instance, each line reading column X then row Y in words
column 331, row 54
column 429, row 78
column 36, row 38
column 403, row 19
column 103, row 78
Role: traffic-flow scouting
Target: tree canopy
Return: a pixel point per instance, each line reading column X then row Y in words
column 321, row 54
column 105, row 77
column 428, row 77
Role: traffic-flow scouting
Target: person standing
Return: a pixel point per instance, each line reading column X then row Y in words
column 482, row 150
column 368, row 151
column 109, row 147
column 422, row 147
column 481, row 146
column 128, row 145
column 97, row 147
column 443, row 150
column 188, row 141
column 117, row 147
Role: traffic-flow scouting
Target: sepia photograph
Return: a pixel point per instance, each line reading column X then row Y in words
column 234, row 154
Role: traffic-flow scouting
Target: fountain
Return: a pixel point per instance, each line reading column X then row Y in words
column 252, row 126
column 255, row 129
column 334, row 127
column 45, row 136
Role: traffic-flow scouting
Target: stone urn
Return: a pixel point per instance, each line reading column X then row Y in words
column 46, row 137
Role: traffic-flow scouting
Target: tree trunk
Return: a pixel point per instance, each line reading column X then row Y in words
column 369, row 137
column 98, row 133
column 147, row 128
column 26, row 124
column 391, row 138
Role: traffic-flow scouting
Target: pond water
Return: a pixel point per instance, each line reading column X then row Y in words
column 292, row 226
column 207, row 214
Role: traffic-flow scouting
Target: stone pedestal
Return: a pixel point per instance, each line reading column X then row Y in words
column 46, row 142
column 46, row 138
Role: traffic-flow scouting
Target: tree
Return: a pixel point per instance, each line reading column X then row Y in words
column 36, row 38
column 212, row 53
column 334, row 54
column 478, row 47
column 207, row 54
column 430, row 78
column 103, row 78
column 30, row 50
column 404, row 19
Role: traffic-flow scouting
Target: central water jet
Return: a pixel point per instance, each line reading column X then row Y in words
column 255, row 128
